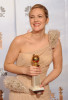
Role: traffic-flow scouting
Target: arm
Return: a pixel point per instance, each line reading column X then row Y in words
column 57, row 65
column 11, row 57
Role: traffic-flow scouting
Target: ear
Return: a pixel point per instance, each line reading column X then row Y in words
column 47, row 20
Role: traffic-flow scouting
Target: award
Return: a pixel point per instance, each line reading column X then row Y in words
column 36, row 79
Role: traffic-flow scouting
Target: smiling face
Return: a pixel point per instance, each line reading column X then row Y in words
column 38, row 19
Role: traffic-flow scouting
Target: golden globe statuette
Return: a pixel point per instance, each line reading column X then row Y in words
column 36, row 79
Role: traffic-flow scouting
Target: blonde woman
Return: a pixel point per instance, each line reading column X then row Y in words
column 22, row 48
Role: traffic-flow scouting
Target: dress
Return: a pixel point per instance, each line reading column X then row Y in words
column 24, row 59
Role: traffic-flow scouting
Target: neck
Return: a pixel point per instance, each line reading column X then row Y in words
column 38, row 36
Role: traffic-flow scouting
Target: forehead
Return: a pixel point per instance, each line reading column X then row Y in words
column 37, row 11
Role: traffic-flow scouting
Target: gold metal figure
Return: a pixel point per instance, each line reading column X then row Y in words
column 36, row 79
column 60, row 93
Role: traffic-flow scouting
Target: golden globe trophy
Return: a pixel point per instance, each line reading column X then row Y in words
column 36, row 79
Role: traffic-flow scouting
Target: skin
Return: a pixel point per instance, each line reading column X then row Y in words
column 30, row 42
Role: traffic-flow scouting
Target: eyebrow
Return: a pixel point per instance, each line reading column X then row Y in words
column 38, row 14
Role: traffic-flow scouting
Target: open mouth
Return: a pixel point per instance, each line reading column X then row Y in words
column 36, row 25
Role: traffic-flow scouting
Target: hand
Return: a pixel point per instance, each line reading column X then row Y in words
column 43, row 83
column 32, row 70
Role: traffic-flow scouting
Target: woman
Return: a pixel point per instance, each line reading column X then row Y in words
column 46, row 46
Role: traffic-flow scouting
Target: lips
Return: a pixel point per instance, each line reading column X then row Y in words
column 36, row 24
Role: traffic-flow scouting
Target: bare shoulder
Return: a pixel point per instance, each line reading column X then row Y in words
column 20, row 39
column 27, row 35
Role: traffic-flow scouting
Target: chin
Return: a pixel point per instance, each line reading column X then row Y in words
column 37, row 30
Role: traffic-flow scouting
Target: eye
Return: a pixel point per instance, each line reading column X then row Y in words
column 31, row 17
column 40, row 16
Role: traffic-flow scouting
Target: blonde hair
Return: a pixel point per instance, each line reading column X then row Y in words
column 41, row 7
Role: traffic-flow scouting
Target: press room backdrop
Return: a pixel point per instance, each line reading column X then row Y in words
column 14, row 21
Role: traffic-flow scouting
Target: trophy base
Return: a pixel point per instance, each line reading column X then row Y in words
column 37, row 89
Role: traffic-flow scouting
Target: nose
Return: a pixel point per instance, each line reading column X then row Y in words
column 35, row 19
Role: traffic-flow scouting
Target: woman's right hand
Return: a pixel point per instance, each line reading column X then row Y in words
column 32, row 70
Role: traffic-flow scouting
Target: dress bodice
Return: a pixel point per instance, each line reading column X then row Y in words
column 45, row 53
column 45, row 58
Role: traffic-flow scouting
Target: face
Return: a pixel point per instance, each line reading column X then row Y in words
column 38, row 19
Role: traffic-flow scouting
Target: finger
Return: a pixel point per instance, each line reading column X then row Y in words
column 37, row 72
column 35, row 69
column 34, row 72
column 42, row 84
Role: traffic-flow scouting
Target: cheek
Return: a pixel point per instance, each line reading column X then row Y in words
column 31, row 21
column 44, row 22
column 31, row 24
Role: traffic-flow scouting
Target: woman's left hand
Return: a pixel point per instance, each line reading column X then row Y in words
column 43, row 83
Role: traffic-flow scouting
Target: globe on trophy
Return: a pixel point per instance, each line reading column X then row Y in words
column 36, row 79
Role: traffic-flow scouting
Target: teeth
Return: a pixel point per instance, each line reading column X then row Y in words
column 36, row 24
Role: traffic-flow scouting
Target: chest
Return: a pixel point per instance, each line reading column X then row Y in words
column 31, row 46
column 45, row 57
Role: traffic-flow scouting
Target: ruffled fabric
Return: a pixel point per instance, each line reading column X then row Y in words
column 13, row 84
column 53, row 37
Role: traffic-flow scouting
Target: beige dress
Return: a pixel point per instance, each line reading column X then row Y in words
column 24, row 59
